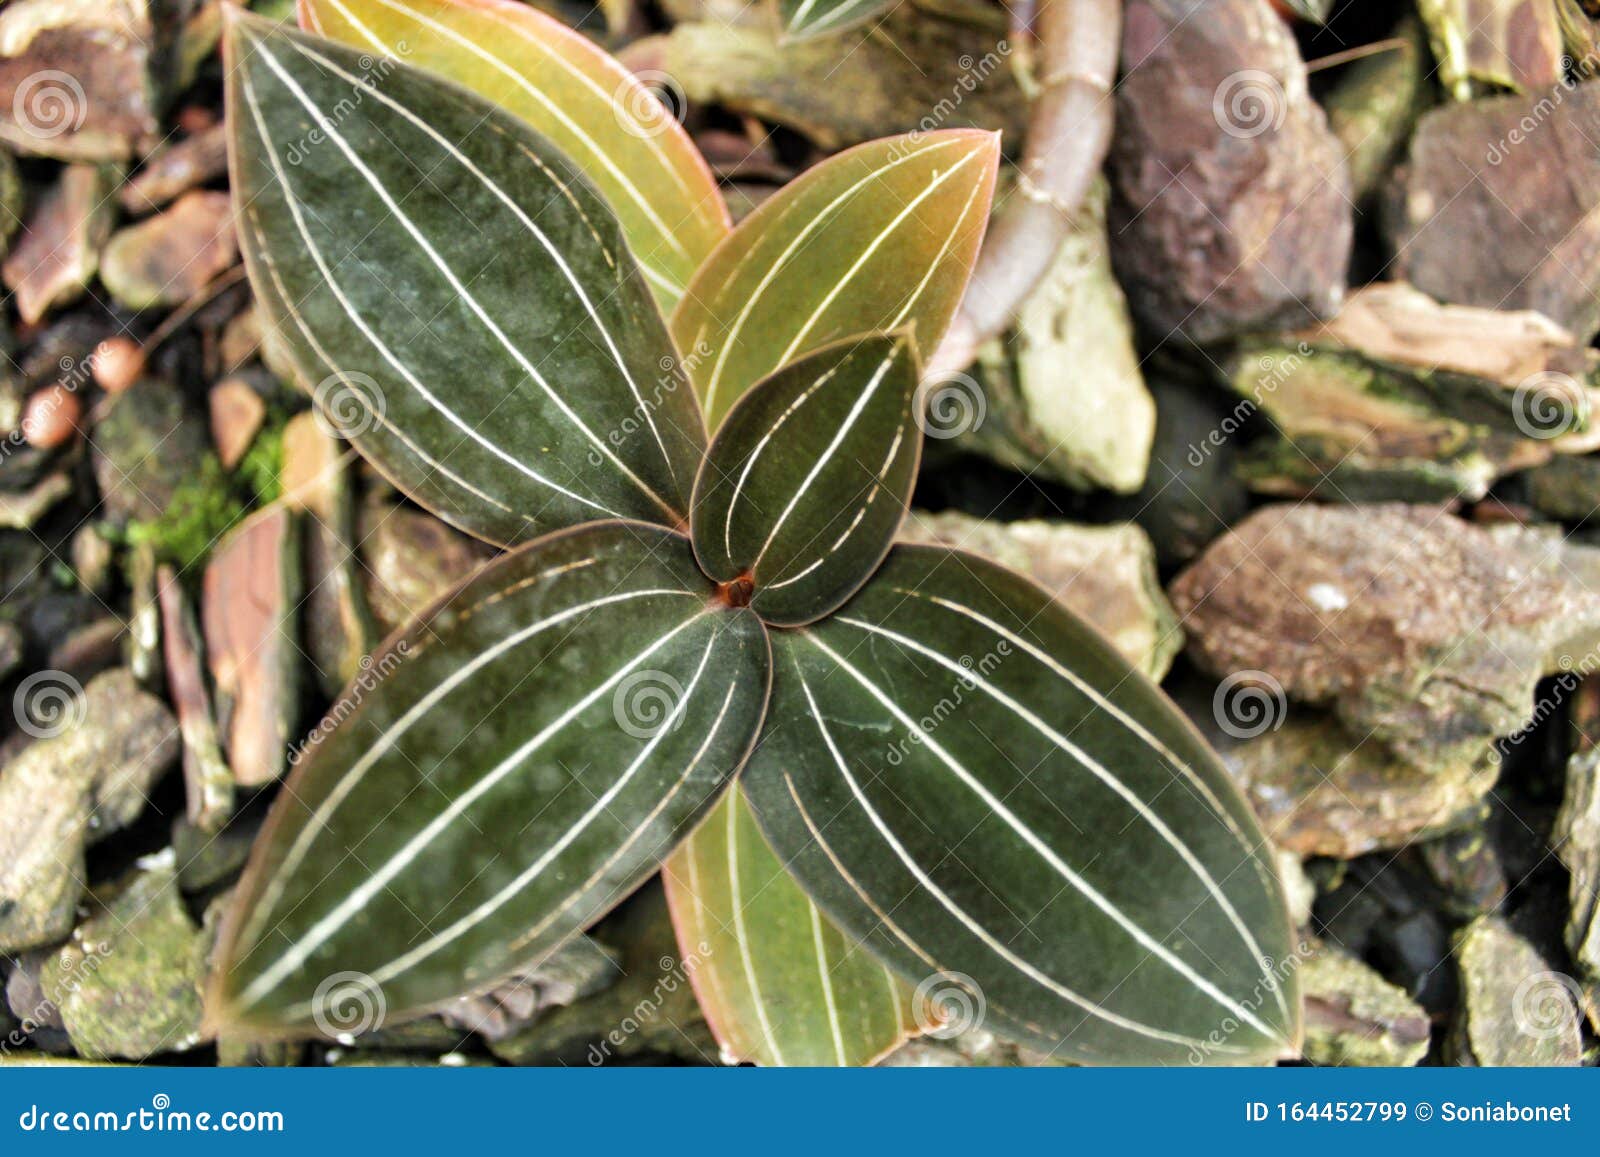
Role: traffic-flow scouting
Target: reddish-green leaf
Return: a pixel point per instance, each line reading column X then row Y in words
column 458, row 292
column 972, row 782
column 879, row 237
column 808, row 479
column 513, row 764
column 603, row 117
column 779, row 983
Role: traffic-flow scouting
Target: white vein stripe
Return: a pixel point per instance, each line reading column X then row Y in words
column 493, row 904
column 973, row 679
column 826, row 457
column 742, row 936
column 331, row 132
column 813, row 565
column 1045, row 852
column 731, row 338
column 835, row 15
column 322, row 355
column 860, row 515
column 827, row 985
column 937, row 263
column 921, row 953
column 248, row 88
column 1101, row 702
column 798, row 17
column 369, row 758
column 528, row 224
column 728, row 1029
column 329, row 924
column 642, row 827
column 894, row 999
column 961, row 915
column 872, row 248
column 602, row 158
column 760, row 448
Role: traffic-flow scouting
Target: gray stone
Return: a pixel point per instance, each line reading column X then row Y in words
column 1230, row 208
column 1417, row 628
column 579, row 968
column 66, row 789
column 1576, row 839
column 146, row 446
column 1355, row 1017
column 1522, row 170
column 1063, row 396
column 1514, row 1009
column 1107, row 574
column 128, row 985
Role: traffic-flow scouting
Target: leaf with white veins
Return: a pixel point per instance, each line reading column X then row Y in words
column 461, row 294
column 879, row 237
column 809, row 477
column 589, row 105
column 804, row 19
column 778, row 982
column 528, row 752
column 967, row 778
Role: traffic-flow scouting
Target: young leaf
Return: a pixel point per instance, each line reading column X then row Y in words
column 518, row 761
column 460, row 292
column 804, row 19
column 968, row 779
column 808, row 479
column 779, row 984
column 591, row 107
column 879, row 237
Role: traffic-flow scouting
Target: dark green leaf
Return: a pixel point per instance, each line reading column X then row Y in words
column 559, row 81
column 808, row 478
column 970, row 780
column 455, row 292
column 508, row 769
column 803, row 19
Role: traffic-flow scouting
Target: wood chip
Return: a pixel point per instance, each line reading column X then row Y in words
column 249, row 607
column 237, row 413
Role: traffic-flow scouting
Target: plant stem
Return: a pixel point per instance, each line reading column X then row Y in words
column 1069, row 131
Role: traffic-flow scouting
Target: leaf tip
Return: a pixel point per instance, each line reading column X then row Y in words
column 981, row 139
column 982, row 145
column 988, row 146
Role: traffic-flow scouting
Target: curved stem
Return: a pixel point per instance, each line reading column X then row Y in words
column 1069, row 131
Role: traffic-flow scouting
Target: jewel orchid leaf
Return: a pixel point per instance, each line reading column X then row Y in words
column 959, row 788
column 973, row 783
column 602, row 116
column 459, row 291
column 805, row 19
column 537, row 743
column 892, row 233
column 780, row 984
column 809, row 477
column 1315, row 11
column 880, row 237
